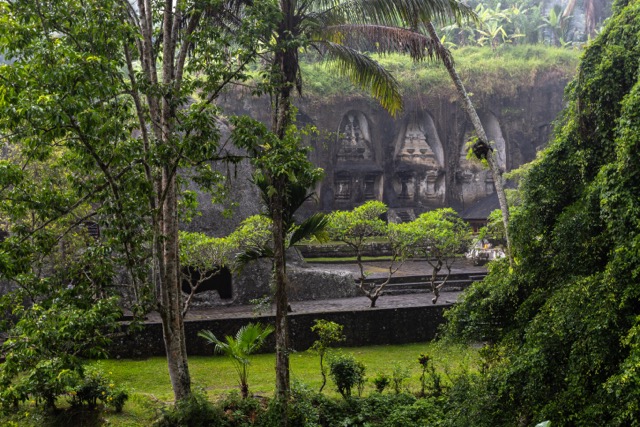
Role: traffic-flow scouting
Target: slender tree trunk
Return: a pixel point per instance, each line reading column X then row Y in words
column 281, row 300
column 468, row 107
column 171, row 294
column 285, row 69
column 170, row 286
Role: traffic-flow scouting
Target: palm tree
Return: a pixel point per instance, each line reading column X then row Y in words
column 247, row 341
column 482, row 149
column 328, row 26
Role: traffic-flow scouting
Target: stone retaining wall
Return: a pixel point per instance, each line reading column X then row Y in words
column 361, row 327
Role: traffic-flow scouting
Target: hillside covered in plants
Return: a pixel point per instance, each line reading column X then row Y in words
column 562, row 324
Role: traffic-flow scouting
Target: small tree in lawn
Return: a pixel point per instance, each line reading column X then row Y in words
column 439, row 236
column 284, row 176
column 247, row 341
column 328, row 333
column 358, row 227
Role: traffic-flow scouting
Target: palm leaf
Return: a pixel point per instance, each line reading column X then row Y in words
column 407, row 13
column 385, row 39
column 364, row 72
column 251, row 254
column 314, row 226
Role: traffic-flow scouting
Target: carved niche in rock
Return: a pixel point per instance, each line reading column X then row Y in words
column 354, row 141
column 357, row 176
column 419, row 161
column 476, row 181
column 357, row 186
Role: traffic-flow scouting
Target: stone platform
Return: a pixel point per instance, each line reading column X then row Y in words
column 396, row 319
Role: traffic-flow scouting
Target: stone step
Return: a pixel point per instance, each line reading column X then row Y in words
column 427, row 278
column 404, row 216
column 460, row 283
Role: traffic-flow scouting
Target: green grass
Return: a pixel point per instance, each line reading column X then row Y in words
column 150, row 388
column 484, row 71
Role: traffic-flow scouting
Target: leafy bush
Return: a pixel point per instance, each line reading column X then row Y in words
column 398, row 376
column 94, row 387
column 44, row 352
column 240, row 411
column 194, row 411
column 302, row 409
column 346, row 373
column 421, row 413
column 329, row 333
column 380, row 381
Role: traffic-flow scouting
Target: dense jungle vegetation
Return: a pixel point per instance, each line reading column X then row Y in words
column 562, row 325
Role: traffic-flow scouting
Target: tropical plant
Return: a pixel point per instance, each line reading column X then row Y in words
column 558, row 24
column 247, row 341
column 284, row 176
column 346, row 373
column 328, row 26
column 117, row 88
column 328, row 333
column 356, row 228
column 482, row 149
column 380, row 381
column 438, row 236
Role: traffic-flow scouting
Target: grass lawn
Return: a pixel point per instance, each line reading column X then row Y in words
column 150, row 388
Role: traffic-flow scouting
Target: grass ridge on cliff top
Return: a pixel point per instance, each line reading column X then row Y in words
column 487, row 72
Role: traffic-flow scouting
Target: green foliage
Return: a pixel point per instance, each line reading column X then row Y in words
column 301, row 410
column 329, row 333
column 94, row 387
column 194, row 411
column 399, row 375
column 563, row 321
column 45, row 348
column 502, row 72
column 381, row 381
column 355, row 227
column 346, row 373
column 494, row 230
column 248, row 340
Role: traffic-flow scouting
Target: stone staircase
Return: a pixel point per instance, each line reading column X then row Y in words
column 404, row 216
column 402, row 285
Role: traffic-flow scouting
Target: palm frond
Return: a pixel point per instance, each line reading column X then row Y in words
column 314, row 226
column 297, row 194
column 220, row 346
column 384, row 39
column 364, row 72
column 250, row 254
column 408, row 13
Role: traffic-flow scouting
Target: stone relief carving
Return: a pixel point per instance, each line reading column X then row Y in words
column 357, row 175
column 419, row 161
column 416, row 150
column 342, row 186
column 353, row 139
column 475, row 181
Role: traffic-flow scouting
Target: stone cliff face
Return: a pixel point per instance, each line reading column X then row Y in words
column 416, row 161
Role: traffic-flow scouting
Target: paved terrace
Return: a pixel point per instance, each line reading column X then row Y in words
column 375, row 269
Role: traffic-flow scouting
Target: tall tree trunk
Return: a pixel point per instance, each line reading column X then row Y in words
column 171, row 294
column 468, row 107
column 281, row 300
column 170, row 281
column 285, row 70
